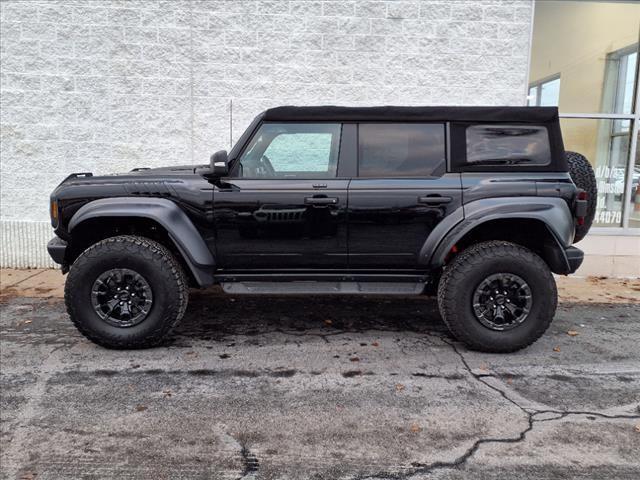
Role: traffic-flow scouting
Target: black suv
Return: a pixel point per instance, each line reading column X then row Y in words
column 478, row 204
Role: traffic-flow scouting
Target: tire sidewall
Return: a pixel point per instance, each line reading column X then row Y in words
column 165, row 296
column 583, row 177
column 466, row 274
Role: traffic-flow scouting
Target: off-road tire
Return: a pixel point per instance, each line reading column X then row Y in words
column 158, row 267
column 463, row 275
column 583, row 176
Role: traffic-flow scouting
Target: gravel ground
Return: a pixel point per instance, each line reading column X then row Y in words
column 323, row 387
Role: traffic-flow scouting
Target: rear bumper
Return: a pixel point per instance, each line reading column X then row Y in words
column 575, row 256
column 57, row 249
column 562, row 260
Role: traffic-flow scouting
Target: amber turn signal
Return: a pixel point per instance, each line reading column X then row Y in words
column 54, row 212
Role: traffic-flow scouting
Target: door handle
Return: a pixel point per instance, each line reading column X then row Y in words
column 321, row 200
column 434, row 200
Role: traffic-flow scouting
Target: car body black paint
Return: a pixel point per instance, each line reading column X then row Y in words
column 347, row 225
column 390, row 219
column 281, row 223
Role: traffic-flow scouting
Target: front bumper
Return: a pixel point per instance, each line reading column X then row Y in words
column 57, row 249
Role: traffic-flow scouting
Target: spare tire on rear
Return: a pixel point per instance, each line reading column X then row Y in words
column 583, row 176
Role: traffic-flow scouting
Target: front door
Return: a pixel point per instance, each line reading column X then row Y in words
column 283, row 205
column 401, row 193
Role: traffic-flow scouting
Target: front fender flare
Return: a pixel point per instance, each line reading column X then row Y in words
column 166, row 213
column 553, row 212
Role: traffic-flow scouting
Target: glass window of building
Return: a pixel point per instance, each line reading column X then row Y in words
column 634, row 195
column 584, row 59
column 544, row 93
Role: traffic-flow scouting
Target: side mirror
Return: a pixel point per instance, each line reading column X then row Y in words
column 219, row 164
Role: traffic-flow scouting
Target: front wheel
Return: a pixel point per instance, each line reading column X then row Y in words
column 497, row 297
column 126, row 292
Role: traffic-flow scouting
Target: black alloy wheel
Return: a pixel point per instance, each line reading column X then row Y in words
column 121, row 297
column 502, row 301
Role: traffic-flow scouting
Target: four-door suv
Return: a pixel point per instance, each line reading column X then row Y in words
column 480, row 204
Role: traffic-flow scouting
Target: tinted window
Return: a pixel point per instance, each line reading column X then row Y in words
column 507, row 145
column 289, row 150
column 401, row 150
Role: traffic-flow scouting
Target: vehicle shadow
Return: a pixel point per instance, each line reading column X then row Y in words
column 213, row 315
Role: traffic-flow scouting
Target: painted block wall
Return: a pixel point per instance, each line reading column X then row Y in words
column 106, row 86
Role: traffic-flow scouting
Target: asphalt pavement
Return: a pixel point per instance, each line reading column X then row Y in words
column 323, row 388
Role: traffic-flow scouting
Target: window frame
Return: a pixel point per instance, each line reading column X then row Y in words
column 538, row 86
column 446, row 160
column 459, row 150
column 507, row 125
column 613, row 77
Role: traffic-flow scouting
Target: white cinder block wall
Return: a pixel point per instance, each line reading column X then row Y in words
column 105, row 86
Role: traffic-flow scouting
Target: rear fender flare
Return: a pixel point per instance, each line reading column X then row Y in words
column 553, row 212
column 181, row 230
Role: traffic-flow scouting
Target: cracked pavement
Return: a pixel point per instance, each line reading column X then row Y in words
column 322, row 387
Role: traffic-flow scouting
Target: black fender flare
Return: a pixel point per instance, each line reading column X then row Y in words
column 166, row 213
column 554, row 213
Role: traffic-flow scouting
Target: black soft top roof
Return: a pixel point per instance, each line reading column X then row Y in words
column 413, row 114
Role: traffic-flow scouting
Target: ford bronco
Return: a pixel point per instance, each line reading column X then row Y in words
column 478, row 205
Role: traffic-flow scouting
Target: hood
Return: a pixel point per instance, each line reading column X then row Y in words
column 136, row 175
column 170, row 170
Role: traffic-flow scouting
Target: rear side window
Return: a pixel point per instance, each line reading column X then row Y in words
column 401, row 150
column 497, row 145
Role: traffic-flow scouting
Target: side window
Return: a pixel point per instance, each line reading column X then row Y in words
column 401, row 150
column 495, row 145
column 292, row 150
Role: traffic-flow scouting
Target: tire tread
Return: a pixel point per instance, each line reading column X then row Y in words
column 151, row 251
column 474, row 257
column 583, row 176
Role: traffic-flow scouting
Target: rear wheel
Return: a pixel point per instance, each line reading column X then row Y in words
column 126, row 292
column 583, row 176
column 497, row 297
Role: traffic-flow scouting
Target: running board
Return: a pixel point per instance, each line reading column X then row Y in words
column 323, row 288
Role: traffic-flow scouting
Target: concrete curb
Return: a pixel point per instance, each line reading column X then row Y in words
column 49, row 283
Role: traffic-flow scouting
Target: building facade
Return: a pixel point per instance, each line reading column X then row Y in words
column 106, row 86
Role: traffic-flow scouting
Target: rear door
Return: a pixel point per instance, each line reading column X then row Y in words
column 401, row 193
column 284, row 204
